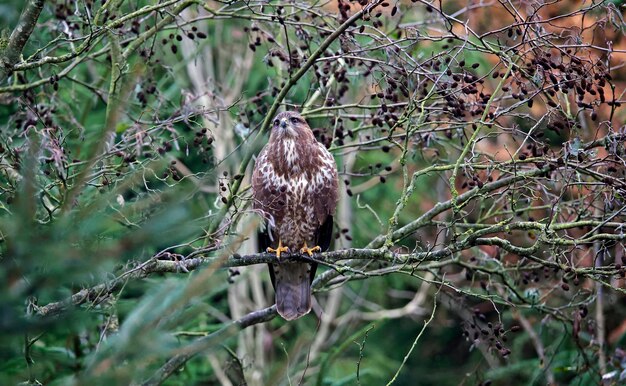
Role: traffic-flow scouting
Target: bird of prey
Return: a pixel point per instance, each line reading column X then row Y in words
column 294, row 186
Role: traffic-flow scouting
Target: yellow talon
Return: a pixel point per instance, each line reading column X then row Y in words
column 310, row 251
column 278, row 250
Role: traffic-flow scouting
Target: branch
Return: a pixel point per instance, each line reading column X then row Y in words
column 417, row 338
column 459, row 201
column 92, row 40
column 539, row 347
column 208, row 342
column 471, row 141
column 347, row 257
column 25, row 26
column 101, row 291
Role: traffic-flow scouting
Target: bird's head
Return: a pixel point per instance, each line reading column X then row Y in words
column 290, row 124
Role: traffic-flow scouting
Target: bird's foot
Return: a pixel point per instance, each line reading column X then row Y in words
column 280, row 249
column 178, row 259
column 310, row 251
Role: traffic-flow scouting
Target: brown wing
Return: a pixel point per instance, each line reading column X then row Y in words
column 266, row 190
column 325, row 199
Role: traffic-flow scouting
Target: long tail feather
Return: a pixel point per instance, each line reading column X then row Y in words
column 293, row 289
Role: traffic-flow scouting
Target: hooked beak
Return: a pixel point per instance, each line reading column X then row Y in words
column 285, row 129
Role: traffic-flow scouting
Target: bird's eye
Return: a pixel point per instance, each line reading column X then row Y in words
column 275, row 122
column 294, row 120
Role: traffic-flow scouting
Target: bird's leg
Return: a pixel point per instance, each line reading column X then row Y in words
column 310, row 251
column 278, row 250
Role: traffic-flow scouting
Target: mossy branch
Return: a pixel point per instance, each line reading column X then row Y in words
column 341, row 261
column 20, row 35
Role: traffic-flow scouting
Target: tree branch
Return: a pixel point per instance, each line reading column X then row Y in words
column 25, row 26
column 209, row 341
column 348, row 257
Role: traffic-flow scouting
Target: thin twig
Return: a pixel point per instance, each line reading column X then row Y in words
column 417, row 338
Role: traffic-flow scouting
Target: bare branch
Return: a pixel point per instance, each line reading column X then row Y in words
column 208, row 342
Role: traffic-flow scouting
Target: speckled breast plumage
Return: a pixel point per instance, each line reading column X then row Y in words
column 296, row 180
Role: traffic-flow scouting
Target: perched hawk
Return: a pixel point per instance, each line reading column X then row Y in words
column 294, row 185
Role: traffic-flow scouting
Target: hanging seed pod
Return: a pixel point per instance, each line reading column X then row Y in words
column 553, row 78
